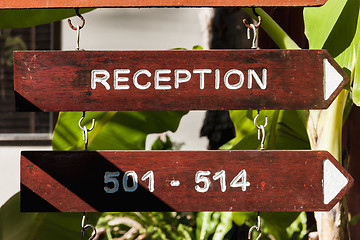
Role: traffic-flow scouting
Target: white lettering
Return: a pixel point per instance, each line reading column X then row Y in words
column 118, row 79
column 149, row 175
column 237, row 85
column 217, row 79
column 240, row 181
column 163, row 79
column 133, row 175
column 221, row 175
column 252, row 73
column 200, row 177
column 96, row 79
column 111, row 177
column 175, row 183
column 159, row 79
column 135, row 79
column 179, row 80
column 202, row 75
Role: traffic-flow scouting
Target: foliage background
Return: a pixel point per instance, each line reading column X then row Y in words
column 333, row 26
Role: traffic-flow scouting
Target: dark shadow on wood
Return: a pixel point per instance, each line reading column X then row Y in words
column 83, row 174
column 31, row 202
column 23, row 105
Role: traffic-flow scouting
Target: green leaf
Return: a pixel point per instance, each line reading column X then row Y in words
column 148, row 225
column 178, row 49
column 315, row 20
column 21, row 18
column 224, row 226
column 197, row 47
column 334, row 27
column 355, row 71
column 186, row 231
column 162, row 145
column 113, row 130
column 241, row 218
column 285, row 129
column 298, row 229
column 276, row 223
column 16, row 225
column 280, row 225
column 206, row 223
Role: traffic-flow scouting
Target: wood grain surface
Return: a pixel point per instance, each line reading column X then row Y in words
column 153, row 3
column 74, row 181
column 61, row 80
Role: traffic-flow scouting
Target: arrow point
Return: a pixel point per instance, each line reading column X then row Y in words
column 332, row 79
column 334, row 181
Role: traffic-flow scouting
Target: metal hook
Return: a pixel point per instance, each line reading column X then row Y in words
column 86, row 130
column 261, row 130
column 82, row 20
column 257, row 227
column 77, row 37
column 249, row 25
column 85, row 226
column 259, row 20
column 252, row 26
column 77, row 28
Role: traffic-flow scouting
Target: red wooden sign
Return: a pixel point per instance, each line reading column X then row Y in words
column 175, row 80
column 154, row 3
column 181, row 181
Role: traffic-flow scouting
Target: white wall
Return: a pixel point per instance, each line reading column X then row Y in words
column 136, row 29
column 10, row 170
column 123, row 29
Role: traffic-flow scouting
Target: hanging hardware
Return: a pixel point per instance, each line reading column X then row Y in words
column 77, row 28
column 86, row 130
column 253, row 27
column 261, row 130
column 259, row 20
column 85, row 226
column 77, row 38
column 81, row 18
column 257, row 227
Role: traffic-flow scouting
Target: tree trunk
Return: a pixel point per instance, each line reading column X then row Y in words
column 324, row 130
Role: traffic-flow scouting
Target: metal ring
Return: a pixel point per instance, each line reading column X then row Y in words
column 256, row 25
column 262, row 128
column 253, row 46
column 257, row 227
column 258, row 230
column 86, row 130
column 84, row 127
column 82, row 20
column 85, row 226
column 266, row 121
column 93, row 232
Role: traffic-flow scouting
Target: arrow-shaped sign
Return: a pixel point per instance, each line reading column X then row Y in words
column 181, row 181
column 154, row 3
column 176, row 80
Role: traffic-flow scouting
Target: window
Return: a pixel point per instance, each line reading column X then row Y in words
column 30, row 127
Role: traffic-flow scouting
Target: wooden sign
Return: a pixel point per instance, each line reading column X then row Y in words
column 181, row 181
column 175, row 80
column 153, row 3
